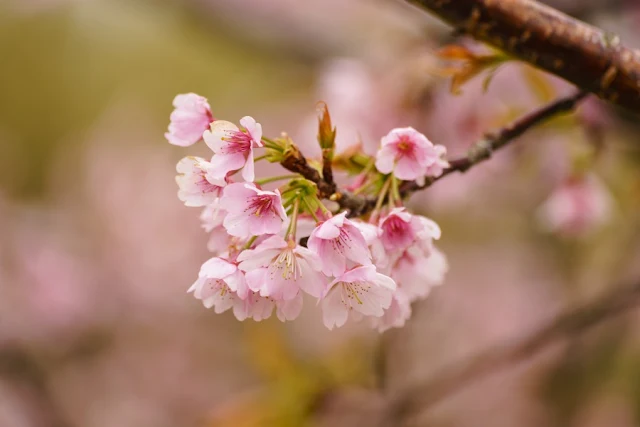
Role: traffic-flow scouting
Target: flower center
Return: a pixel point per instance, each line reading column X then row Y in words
column 258, row 205
column 287, row 265
column 237, row 142
column 352, row 292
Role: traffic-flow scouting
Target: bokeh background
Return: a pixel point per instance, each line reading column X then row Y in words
column 96, row 251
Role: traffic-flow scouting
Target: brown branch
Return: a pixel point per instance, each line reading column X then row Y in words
column 592, row 59
column 480, row 151
column 459, row 375
column 483, row 149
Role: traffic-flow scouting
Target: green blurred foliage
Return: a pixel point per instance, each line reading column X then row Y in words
column 63, row 66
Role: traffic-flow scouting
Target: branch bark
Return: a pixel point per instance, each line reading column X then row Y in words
column 459, row 375
column 592, row 59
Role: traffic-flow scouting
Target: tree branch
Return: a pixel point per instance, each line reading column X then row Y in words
column 483, row 149
column 592, row 59
column 455, row 378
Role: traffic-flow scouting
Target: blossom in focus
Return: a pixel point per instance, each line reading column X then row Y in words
column 232, row 147
column 336, row 241
column 359, row 292
column 407, row 153
column 279, row 269
column 189, row 120
column 251, row 211
column 579, row 205
column 220, row 285
column 196, row 186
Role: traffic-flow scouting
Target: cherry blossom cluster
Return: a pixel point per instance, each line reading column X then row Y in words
column 273, row 245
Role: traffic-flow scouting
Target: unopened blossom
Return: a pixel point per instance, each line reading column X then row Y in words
column 396, row 315
column 417, row 271
column 336, row 241
column 233, row 147
column 407, row 153
column 211, row 219
column 196, row 186
column 251, row 211
column 190, row 118
column 359, row 292
column 220, row 284
column 279, row 269
column 578, row 206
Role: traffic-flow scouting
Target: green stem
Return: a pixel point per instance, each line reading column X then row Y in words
column 381, row 196
column 257, row 159
column 395, row 190
column 250, row 242
column 276, row 178
column 326, row 212
column 293, row 225
column 310, row 209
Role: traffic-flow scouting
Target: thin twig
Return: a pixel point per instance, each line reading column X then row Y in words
column 483, row 149
column 592, row 59
column 449, row 381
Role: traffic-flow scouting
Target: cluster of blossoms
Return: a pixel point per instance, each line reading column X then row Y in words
column 271, row 246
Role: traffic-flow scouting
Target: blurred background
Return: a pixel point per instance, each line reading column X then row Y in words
column 97, row 252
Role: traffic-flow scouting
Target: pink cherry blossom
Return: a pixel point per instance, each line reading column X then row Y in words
column 437, row 168
column 220, row 285
column 407, row 153
column 336, row 241
column 251, row 211
column 233, row 148
column 253, row 307
column 396, row 315
column 576, row 207
column 211, row 219
column 196, row 186
column 371, row 234
column 190, row 118
column 289, row 309
column 279, row 269
column 359, row 292
column 416, row 272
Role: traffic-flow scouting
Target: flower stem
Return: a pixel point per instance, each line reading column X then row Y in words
column 257, row 159
column 276, row 178
column 382, row 195
column 326, row 212
column 293, row 225
column 250, row 242
column 310, row 209
column 395, row 189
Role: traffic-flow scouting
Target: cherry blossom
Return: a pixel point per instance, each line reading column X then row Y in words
column 253, row 307
column 189, row 120
column 220, row 285
column 196, row 186
column 280, row 269
column 440, row 164
column 336, row 241
column 407, row 153
column 211, row 219
column 232, row 147
column 251, row 211
column 417, row 272
column 359, row 292
column 577, row 207
column 396, row 315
